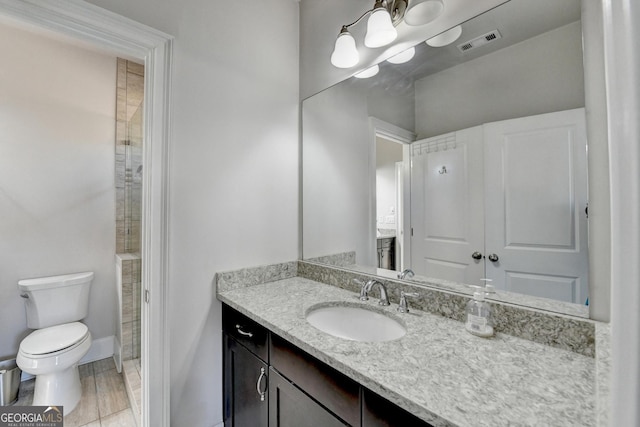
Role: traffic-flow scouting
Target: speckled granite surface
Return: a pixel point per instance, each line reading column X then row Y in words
column 545, row 304
column 251, row 276
column 603, row 372
column 549, row 328
column 437, row 371
column 341, row 259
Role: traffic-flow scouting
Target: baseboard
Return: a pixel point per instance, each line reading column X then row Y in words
column 101, row 348
column 117, row 354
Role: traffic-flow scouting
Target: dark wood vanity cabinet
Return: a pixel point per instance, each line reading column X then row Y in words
column 339, row 394
column 289, row 406
column 298, row 389
column 386, row 252
column 379, row 412
column 245, row 371
column 245, row 387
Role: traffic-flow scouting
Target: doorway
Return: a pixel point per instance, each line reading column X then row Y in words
column 86, row 23
column 389, row 171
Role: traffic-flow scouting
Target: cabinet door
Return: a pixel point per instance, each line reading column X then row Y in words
column 290, row 407
column 245, row 387
column 332, row 389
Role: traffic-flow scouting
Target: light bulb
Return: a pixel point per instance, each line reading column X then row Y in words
column 380, row 30
column 446, row 38
column 403, row 57
column 369, row 72
column 420, row 12
column 345, row 54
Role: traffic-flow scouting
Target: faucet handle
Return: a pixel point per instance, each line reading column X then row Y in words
column 403, row 307
column 364, row 292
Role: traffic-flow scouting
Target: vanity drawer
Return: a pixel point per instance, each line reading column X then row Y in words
column 336, row 392
column 247, row 332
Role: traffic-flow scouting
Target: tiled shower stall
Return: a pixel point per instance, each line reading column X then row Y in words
column 128, row 173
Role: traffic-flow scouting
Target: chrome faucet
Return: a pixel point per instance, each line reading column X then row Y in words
column 403, row 307
column 406, row 273
column 367, row 287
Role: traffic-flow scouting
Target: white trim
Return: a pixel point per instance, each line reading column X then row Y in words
column 101, row 348
column 117, row 354
column 401, row 136
column 107, row 30
column 622, row 76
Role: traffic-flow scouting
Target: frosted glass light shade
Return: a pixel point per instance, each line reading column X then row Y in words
column 380, row 29
column 403, row 57
column 369, row 72
column 420, row 12
column 446, row 38
column 345, row 54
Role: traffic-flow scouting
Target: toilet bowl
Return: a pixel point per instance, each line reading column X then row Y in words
column 52, row 355
column 54, row 306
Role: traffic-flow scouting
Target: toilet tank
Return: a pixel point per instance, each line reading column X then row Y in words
column 55, row 300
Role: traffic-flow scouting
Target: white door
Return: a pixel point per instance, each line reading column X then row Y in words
column 447, row 215
column 536, row 196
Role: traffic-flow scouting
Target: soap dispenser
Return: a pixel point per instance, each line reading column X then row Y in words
column 478, row 319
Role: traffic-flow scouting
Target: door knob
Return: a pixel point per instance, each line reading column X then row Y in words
column 476, row 255
column 493, row 258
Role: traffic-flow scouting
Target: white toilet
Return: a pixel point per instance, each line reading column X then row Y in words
column 54, row 307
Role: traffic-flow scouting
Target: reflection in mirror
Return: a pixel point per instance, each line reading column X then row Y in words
column 467, row 162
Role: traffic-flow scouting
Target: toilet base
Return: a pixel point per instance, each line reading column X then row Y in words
column 61, row 388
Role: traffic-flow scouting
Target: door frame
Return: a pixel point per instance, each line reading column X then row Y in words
column 124, row 37
column 402, row 136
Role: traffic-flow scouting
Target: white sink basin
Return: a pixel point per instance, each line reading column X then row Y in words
column 355, row 322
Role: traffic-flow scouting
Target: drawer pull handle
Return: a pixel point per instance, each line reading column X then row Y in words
column 258, row 388
column 241, row 332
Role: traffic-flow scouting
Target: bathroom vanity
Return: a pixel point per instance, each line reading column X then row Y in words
column 270, row 381
column 436, row 374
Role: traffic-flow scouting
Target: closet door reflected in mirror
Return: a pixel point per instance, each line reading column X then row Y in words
column 447, row 213
column 522, row 209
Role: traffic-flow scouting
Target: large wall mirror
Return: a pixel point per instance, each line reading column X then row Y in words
column 466, row 163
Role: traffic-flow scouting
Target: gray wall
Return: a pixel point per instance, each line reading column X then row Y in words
column 337, row 166
column 540, row 75
column 57, row 188
column 336, row 199
column 233, row 169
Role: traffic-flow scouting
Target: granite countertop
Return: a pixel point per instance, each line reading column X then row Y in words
column 437, row 371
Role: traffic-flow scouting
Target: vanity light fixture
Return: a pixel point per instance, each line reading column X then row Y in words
column 369, row 72
column 381, row 31
column 345, row 54
column 402, row 57
column 445, row 38
column 420, row 12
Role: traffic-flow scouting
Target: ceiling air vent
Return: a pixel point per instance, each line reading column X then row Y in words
column 480, row 41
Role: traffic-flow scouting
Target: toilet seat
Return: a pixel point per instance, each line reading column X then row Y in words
column 54, row 339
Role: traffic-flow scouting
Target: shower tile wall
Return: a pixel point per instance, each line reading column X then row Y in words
column 128, row 167
column 130, row 307
column 128, row 173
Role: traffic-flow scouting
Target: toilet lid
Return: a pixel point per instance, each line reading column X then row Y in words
column 54, row 338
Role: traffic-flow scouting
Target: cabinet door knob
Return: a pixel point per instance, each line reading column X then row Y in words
column 476, row 255
column 493, row 258
column 261, row 393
